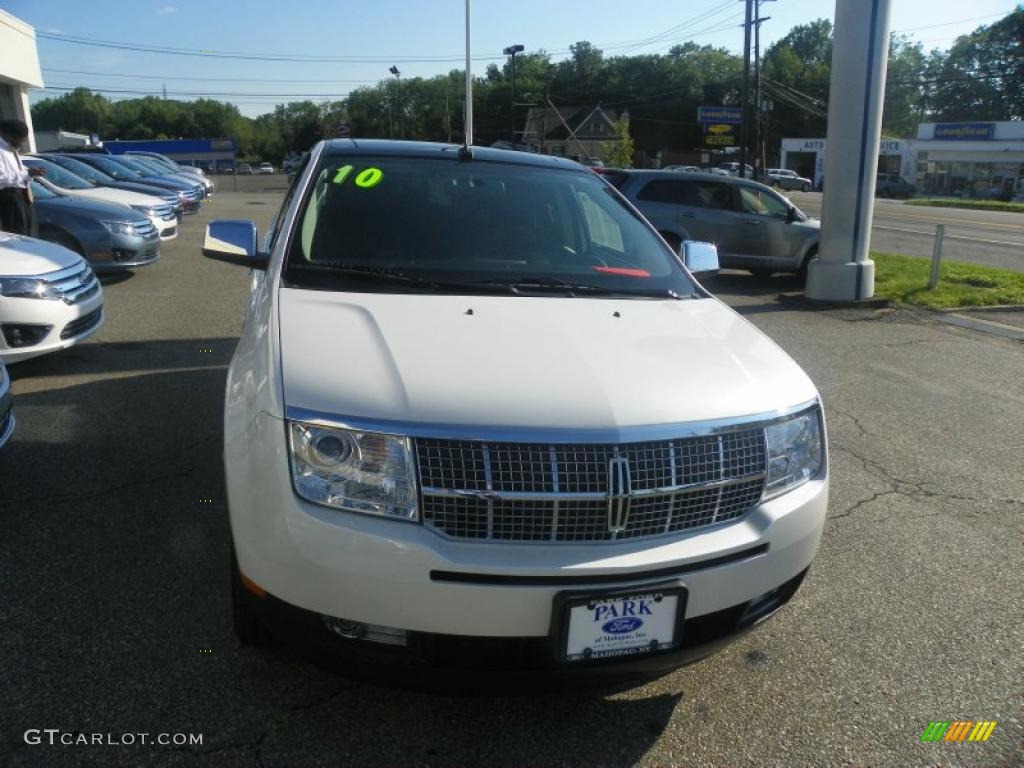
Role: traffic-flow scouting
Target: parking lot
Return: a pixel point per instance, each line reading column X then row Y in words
column 114, row 561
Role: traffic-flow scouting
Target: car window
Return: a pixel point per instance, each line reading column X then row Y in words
column 761, row 202
column 57, row 175
column 87, row 172
column 479, row 222
column 116, row 170
column 707, row 194
column 662, row 191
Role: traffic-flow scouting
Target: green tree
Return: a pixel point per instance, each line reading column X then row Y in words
column 619, row 153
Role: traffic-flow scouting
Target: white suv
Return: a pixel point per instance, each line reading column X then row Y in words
column 481, row 415
column 49, row 298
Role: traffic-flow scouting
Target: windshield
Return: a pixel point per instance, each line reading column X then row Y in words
column 396, row 223
column 139, row 168
column 81, row 169
column 57, row 175
column 118, row 171
column 150, row 165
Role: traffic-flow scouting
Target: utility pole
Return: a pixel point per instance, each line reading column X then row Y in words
column 165, row 91
column 759, row 150
column 745, row 88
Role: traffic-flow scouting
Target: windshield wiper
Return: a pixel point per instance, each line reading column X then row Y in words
column 390, row 275
column 522, row 285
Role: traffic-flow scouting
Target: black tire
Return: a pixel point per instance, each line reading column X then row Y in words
column 802, row 272
column 244, row 620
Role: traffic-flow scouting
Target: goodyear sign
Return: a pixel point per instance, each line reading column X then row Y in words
column 719, row 134
column 965, row 131
column 719, row 115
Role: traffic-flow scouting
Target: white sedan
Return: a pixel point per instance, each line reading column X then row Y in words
column 49, row 298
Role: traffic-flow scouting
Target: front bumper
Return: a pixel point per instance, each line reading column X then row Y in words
column 68, row 324
column 125, row 252
column 402, row 575
column 429, row 658
column 166, row 228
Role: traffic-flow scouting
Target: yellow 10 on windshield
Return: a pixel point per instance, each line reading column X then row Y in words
column 365, row 179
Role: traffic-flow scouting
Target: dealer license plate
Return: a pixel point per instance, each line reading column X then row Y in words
column 624, row 623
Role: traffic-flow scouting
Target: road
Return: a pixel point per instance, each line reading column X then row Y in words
column 992, row 238
column 114, row 565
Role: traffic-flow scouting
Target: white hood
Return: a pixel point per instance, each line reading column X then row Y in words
column 111, row 195
column 26, row 256
column 529, row 362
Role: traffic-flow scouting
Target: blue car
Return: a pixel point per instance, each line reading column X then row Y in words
column 190, row 194
column 111, row 237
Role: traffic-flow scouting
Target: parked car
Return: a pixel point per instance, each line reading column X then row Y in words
column 733, row 169
column 718, row 172
column 783, row 178
column 682, row 168
column 166, row 162
column 49, row 299
column 753, row 226
column 98, row 178
column 290, row 164
column 893, row 185
column 6, row 401
column 245, row 168
column 160, row 164
column 174, row 171
column 266, row 168
column 112, row 237
column 189, row 194
column 63, row 182
column 615, row 472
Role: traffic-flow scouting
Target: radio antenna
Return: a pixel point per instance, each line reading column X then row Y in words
column 468, row 141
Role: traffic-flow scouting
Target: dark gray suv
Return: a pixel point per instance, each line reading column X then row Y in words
column 753, row 226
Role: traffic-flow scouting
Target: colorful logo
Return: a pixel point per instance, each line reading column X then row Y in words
column 959, row 730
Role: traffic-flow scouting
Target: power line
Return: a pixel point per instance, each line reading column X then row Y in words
column 958, row 21
column 207, row 79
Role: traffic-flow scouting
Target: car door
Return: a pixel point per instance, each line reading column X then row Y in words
column 707, row 211
column 658, row 200
column 764, row 226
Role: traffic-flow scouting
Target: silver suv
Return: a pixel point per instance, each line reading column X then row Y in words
column 753, row 226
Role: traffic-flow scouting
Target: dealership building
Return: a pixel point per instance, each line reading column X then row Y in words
column 944, row 158
column 19, row 71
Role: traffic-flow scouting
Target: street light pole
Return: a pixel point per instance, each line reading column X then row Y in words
column 394, row 71
column 512, row 50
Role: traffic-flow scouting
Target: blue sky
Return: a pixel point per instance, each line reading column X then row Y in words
column 390, row 30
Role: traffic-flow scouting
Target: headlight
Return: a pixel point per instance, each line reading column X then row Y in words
column 27, row 288
column 356, row 471
column 145, row 210
column 119, row 227
column 795, row 452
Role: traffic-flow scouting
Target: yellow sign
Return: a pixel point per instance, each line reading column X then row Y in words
column 719, row 129
column 718, row 141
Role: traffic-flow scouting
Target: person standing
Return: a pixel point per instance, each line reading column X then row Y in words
column 15, row 191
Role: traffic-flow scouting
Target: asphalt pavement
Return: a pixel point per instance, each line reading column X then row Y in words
column 115, row 546
column 992, row 238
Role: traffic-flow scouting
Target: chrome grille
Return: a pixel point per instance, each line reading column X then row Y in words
column 75, row 284
column 82, row 324
column 145, row 229
column 561, row 492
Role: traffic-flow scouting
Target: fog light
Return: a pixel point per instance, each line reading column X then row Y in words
column 374, row 633
column 25, row 335
column 120, row 254
column 350, row 630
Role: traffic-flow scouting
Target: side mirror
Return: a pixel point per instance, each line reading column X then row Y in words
column 233, row 241
column 700, row 257
column 790, row 215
